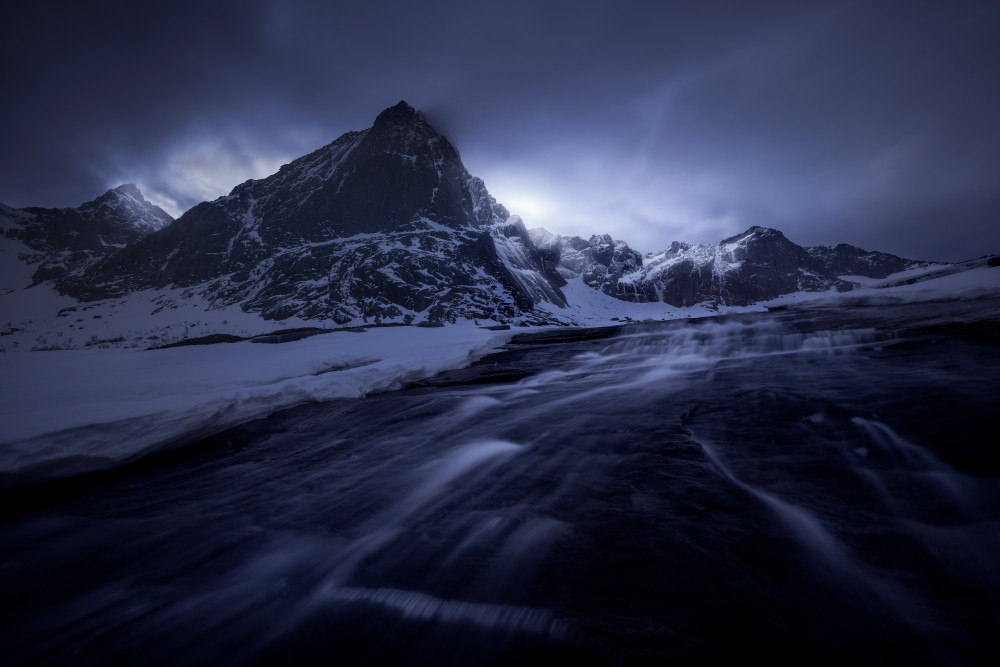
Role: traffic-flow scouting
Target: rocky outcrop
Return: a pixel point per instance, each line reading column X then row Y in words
column 602, row 262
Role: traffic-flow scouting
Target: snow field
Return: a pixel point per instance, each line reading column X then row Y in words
column 66, row 412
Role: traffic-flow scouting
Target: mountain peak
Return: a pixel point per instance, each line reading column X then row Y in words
column 129, row 189
column 758, row 231
column 404, row 130
column 127, row 194
column 400, row 114
column 126, row 205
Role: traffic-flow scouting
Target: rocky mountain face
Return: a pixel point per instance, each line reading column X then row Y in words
column 381, row 224
column 601, row 261
column 757, row 265
column 65, row 241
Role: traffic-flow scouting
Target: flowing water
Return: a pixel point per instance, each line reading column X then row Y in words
column 813, row 486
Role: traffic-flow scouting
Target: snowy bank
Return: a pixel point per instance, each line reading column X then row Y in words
column 72, row 411
column 978, row 282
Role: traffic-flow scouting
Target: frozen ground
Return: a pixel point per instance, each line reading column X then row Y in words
column 593, row 307
column 64, row 412
column 973, row 280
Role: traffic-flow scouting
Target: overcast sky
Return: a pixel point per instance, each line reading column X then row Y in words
column 867, row 122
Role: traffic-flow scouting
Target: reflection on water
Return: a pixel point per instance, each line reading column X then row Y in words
column 767, row 486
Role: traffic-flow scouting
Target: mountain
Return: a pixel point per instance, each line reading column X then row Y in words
column 383, row 224
column 386, row 224
column 65, row 241
column 757, row 265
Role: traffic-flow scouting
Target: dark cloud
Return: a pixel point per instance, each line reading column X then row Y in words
column 871, row 123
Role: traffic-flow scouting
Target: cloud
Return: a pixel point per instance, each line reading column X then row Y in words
column 203, row 171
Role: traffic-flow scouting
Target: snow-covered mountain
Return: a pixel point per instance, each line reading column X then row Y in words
column 65, row 241
column 757, row 265
column 387, row 225
column 381, row 224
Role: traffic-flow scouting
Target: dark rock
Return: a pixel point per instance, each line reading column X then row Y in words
column 849, row 260
column 202, row 340
column 274, row 339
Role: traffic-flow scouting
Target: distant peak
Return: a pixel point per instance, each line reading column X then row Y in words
column 123, row 200
column 129, row 189
column 757, row 229
column 762, row 232
column 114, row 195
